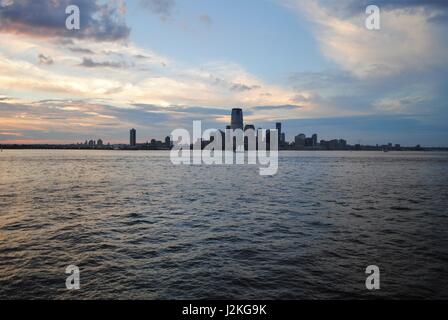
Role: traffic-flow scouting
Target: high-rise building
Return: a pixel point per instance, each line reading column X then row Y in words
column 268, row 137
column 314, row 137
column 168, row 142
column 237, row 119
column 253, row 134
column 300, row 140
column 133, row 137
column 309, row 142
column 278, row 126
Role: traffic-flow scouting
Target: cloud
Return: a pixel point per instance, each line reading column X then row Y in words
column 68, row 121
column 360, row 5
column 79, row 119
column 6, row 3
column 81, row 50
column 162, row 8
column 233, row 86
column 400, row 104
column 283, row 107
column 124, row 73
column 142, row 56
column 45, row 60
column 11, row 134
column 396, row 71
column 399, row 71
column 242, row 87
column 102, row 21
column 340, row 93
column 89, row 63
column 197, row 110
column 407, row 39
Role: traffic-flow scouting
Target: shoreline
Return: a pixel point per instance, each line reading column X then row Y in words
column 363, row 148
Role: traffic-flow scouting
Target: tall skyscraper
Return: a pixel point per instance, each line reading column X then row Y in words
column 133, row 138
column 237, row 119
column 278, row 126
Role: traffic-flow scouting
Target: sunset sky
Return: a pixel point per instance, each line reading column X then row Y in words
column 157, row 65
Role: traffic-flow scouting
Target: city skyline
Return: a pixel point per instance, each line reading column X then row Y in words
column 300, row 142
column 159, row 65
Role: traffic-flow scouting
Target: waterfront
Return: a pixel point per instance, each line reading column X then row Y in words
column 139, row 227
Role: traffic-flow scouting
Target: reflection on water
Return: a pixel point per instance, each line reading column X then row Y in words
column 139, row 227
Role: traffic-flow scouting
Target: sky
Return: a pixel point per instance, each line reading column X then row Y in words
column 158, row 65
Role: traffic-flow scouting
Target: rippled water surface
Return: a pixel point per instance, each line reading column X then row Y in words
column 139, row 227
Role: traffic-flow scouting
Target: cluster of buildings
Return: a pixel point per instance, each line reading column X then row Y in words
column 93, row 144
column 153, row 145
column 133, row 145
column 301, row 141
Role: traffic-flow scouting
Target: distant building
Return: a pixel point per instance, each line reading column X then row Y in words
column 299, row 140
column 278, row 126
column 227, row 136
column 249, row 127
column 133, row 137
column 268, row 137
column 168, row 142
column 314, row 138
column 334, row 144
column 253, row 134
column 237, row 119
column 223, row 137
column 309, row 142
column 100, row 143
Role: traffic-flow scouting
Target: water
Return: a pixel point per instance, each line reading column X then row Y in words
column 140, row 228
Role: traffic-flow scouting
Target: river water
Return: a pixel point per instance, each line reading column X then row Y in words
column 139, row 227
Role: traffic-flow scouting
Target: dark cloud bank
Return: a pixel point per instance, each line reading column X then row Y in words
column 101, row 21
